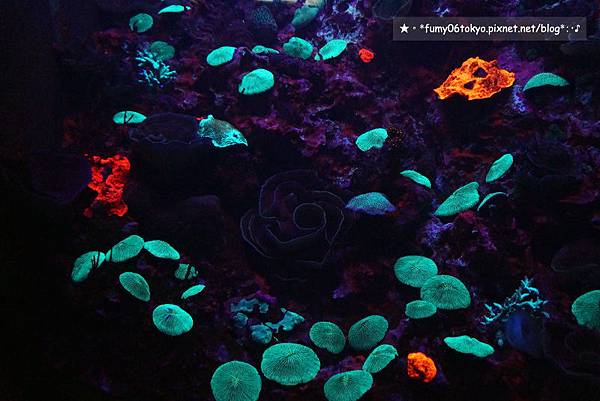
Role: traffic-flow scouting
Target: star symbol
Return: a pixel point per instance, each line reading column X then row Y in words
column 404, row 28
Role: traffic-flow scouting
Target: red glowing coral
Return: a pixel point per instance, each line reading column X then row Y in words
column 421, row 367
column 476, row 79
column 108, row 180
column 366, row 55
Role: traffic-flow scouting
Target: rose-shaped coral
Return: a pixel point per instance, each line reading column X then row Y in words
column 297, row 221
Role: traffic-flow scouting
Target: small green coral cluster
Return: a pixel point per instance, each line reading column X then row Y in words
column 526, row 297
column 153, row 70
column 467, row 196
column 437, row 291
column 168, row 318
column 290, row 364
column 262, row 333
column 363, row 335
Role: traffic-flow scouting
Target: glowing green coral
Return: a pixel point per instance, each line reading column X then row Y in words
column 499, row 168
column 141, row 22
column 288, row 321
column 247, row 305
column 329, row 336
column 297, row 47
column 84, row 264
column 304, row 16
column 261, row 334
column 488, row 197
column 193, row 290
column 136, row 285
column 526, row 297
column 417, row 177
column 220, row 56
column 185, row 271
column 586, row 309
column 173, row 9
column 348, row 386
column 469, row 345
column 259, row 49
column 162, row 50
column 367, row 332
column 290, row 364
column 420, row 309
column 127, row 249
column 379, row 358
column 152, row 70
column 161, row 249
column 373, row 203
column 236, row 381
column 172, row 320
column 128, row 117
column 462, row 199
column 332, row 49
column 374, row 138
column 545, row 79
column 257, row 81
column 446, row 292
column 414, row 270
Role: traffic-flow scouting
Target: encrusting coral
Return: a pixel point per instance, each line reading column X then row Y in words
column 466, row 80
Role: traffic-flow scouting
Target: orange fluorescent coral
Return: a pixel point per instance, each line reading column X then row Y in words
column 476, row 79
column 108, row 180
column 421, row 367
column 366, row 55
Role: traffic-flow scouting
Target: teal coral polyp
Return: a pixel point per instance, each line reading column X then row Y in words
column 290, row 364
column 372, row 139
column 257, row 81
column 236, row 381
column 220, row 56
column 367, row 332
column 172, row 320
column 297, row 47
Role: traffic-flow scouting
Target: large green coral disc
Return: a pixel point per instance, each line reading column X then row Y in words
column 446, row 292
column 290, row 364
column 236, row 381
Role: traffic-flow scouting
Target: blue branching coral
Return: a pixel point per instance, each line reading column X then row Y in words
column 525, row 297
column 153, row 71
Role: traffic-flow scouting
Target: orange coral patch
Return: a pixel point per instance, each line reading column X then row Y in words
column 109, row 189
column 476, row 79
column 421, row 367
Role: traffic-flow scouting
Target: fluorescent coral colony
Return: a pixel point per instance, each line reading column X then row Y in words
column 260, row 200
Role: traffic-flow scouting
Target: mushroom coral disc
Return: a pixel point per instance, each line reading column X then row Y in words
column 466, row 80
